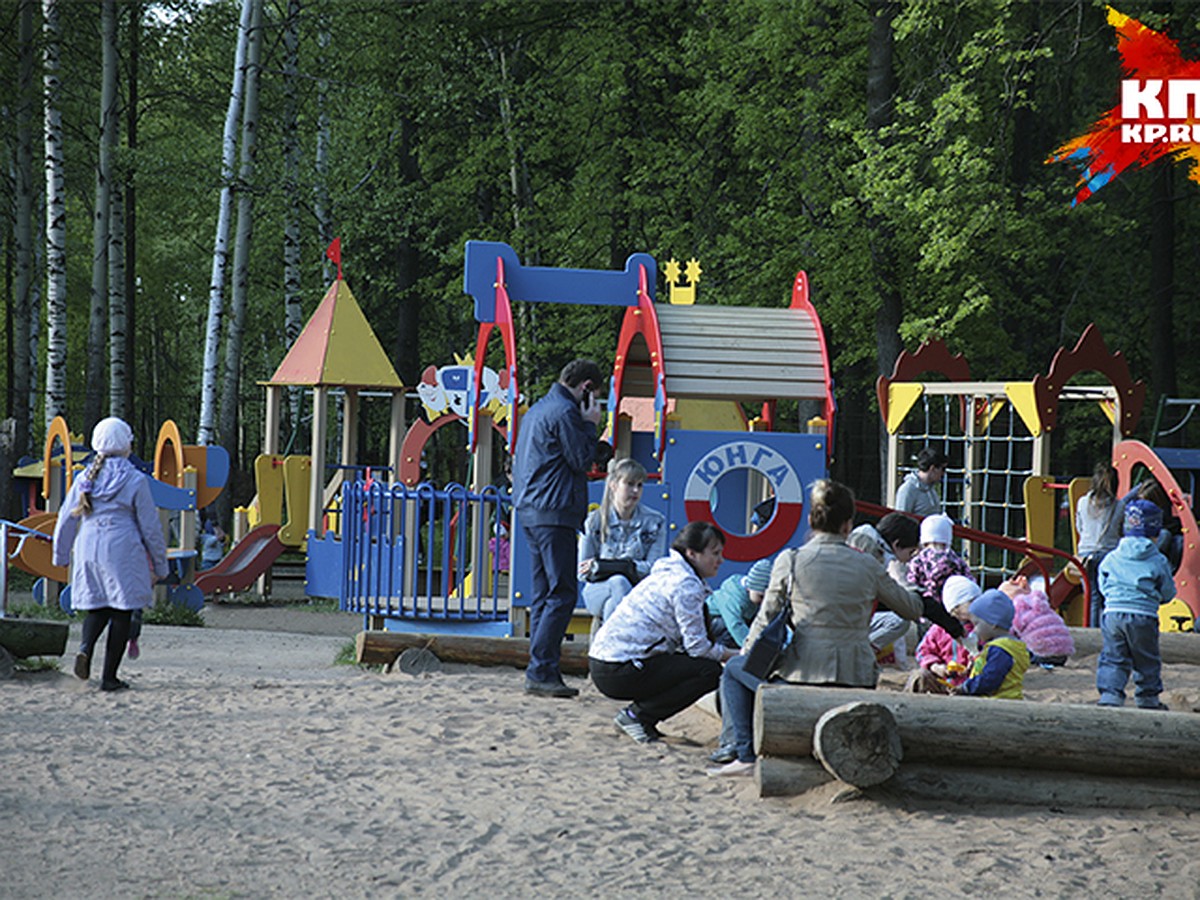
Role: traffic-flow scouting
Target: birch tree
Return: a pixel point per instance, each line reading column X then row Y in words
column 56, row 219
column 322, row 206
column 23, row 283
column 216, row 289
column 230, row 395
column 293, row 316
column 97, row 316
column 116, row 302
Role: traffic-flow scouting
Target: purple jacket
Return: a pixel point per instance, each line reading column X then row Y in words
column 115, row 544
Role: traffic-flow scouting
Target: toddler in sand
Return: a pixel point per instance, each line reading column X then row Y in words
column 943, row 660
column 999, row 671
column 1040, row 627
column 1135, row 580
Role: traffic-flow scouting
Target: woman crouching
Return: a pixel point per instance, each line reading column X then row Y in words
column 832, row 589
column 654, row 648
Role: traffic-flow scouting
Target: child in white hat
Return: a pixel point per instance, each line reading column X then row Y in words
column 941, row 659
column 109, row 520
column 936, row 560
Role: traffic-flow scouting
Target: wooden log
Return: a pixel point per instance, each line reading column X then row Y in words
column 1174, row 647
column 793, row 776
column 33, row 637
column 994, row 733
column 858, row 743
column 382, row 648
column 6, row 665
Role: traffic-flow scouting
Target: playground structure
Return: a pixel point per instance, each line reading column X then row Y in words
column 183, row 480
column 997, row 435
column 412, row 556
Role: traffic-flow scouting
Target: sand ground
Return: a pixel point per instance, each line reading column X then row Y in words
column 243, row 763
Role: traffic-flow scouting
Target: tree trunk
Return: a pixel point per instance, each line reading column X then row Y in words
column 18, row 404
column 881, row 92
column 322, row 206
column 380, row 648
column 216, row 285
column 148, row 416
column 858, row 743
column 1162, row 283
column 792, row 776
column 230, row 394
column 293, row 311
column 994, row 733
column 116, row 302
column 407, row 350
column 56, row 221
column 33, row 637
column 97, row 318
column 1173, row 647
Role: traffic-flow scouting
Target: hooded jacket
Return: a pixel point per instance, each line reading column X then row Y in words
column 115, row 545
column 1135, row 578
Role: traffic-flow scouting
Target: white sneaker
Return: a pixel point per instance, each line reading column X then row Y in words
column 737, row 767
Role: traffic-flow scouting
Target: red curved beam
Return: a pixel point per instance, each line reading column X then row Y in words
column 1090, row 353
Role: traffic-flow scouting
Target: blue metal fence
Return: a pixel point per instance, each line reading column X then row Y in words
column 425, row 555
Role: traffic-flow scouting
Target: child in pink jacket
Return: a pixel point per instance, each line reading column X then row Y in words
column 1040, row 627
column 942, row 661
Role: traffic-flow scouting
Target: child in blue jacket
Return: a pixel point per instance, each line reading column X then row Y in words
column 1135, row 580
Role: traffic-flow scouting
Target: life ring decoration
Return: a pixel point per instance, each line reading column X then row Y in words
column 772, row 465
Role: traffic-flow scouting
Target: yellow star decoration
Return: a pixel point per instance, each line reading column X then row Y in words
column 671, row 270
column 693, row 270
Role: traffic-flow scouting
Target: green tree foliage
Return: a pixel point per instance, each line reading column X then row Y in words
column 579, row 133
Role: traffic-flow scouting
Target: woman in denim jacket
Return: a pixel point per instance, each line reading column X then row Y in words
column 621, row 528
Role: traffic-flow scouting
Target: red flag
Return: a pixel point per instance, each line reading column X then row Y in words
column 334, row 252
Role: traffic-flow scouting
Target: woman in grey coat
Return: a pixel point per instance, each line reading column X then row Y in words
column 108, row 517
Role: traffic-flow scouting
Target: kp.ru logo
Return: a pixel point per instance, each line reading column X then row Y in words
column 1159, row 112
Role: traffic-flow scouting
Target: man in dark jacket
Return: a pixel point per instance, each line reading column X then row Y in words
column 556, row 444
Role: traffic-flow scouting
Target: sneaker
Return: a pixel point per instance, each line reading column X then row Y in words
column 83, row 666
column 723, row 755
column 735, row 768
column 115, row 685
column 629, row 723
column 549, row 688
column 1160, row 706
column 133, row 652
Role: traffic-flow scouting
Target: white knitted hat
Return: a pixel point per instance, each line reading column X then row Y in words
column 957, row 590
column 937, row 529
column 112, row 436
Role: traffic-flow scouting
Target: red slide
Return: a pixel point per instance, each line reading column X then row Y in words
column 248, row 559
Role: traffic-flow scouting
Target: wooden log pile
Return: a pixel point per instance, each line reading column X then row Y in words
column 22, row 638
column 1005, row 750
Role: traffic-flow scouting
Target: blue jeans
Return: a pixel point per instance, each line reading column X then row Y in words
column 737, row 706
column 1130, row 642
column 553, row 561
column 602, row 597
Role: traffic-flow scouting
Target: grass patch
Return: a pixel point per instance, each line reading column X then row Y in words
column 36, row 664
column 164, row 612
column 347, row 655
column 28, row 609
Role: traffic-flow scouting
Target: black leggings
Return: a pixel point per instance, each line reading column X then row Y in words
column 117, row 621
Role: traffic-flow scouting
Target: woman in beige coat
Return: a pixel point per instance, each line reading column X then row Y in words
column 833, row 590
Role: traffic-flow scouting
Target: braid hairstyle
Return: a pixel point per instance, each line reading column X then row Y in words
column 84, row 507
column 627, row 469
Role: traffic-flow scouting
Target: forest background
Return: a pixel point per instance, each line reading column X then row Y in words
column 893, row 150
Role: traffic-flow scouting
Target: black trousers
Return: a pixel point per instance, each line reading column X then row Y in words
column 660, row 686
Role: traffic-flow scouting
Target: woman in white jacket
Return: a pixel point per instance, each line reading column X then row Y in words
column 654, row 649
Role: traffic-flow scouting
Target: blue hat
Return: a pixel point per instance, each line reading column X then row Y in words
column 993, row 607
column 1143, row 518
column 759, row 576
